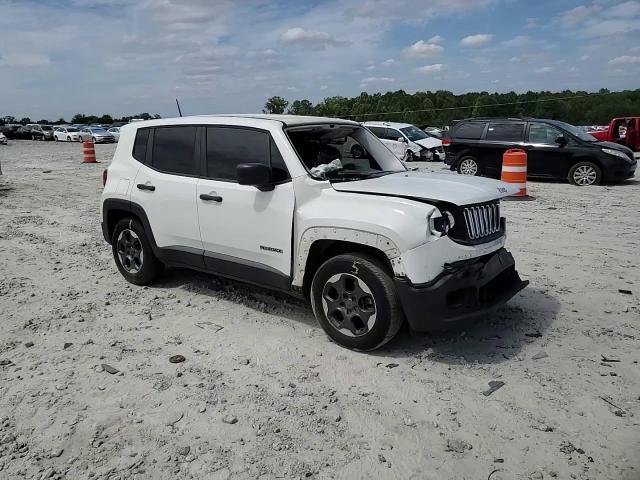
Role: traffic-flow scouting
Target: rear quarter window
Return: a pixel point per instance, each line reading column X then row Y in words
column 140, row 144
column 174, row 150
column 505, row 132
column 470, row 131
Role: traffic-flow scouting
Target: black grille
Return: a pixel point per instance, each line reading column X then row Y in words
column 477, row 223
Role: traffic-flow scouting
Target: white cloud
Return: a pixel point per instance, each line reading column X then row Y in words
column 477, row 40
column 625, row 9
column 532, row 22
column 625, row 60
column 578, row 14
column 544, row 70
column 584, row 58
column 378, row 80
column 423, row 49
column 436, row 67
column 323, row 87
column 436, row 39
column 300, row 36
column 608, row 28
column 515, row 59
column 24, row 59
column 518, row 41
column 389, row 62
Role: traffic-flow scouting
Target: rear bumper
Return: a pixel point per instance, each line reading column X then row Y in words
column 465, row 290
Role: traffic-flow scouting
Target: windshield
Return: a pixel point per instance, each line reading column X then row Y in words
column 47, row 127
column 576, row 132
column 342, row 152
column 98, row 130
column 72, row 129
column 414, row 133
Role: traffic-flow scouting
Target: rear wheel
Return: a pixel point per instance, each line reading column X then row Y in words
column 133, row 254
column 584, row 174
column 468, row 166
column 355, row 301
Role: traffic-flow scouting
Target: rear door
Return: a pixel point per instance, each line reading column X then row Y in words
column 499, row 137
column 246, row 233
column 545, row 157
column 165, row 187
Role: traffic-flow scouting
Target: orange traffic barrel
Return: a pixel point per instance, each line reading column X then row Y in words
column 89, row 152
column 514, row 171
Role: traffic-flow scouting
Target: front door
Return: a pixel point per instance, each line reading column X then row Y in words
column 246, row 232
column 545, row 157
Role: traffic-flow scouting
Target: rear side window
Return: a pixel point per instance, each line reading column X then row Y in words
column 470, row 131
column 174, row 150
column 378, row 131
column 140, row 144
column 505, row 132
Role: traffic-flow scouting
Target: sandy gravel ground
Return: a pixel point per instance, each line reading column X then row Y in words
column 264, row 394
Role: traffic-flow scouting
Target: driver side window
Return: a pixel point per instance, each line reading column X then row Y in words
column 543, row 133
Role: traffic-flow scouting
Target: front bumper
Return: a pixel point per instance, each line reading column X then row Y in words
column 465, row 290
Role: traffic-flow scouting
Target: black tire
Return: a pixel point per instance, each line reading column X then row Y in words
column 33, row 137
column 68, row 138
column 93, row 139
column 55, row 138
column 409, row 156
column 584, row 174
column 373, row 275
column 464, row 165
column 150, row 267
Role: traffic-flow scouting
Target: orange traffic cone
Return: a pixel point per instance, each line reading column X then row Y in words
column 89, row 152
column 514, row 171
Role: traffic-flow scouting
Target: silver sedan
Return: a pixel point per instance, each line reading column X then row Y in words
column 96, row 135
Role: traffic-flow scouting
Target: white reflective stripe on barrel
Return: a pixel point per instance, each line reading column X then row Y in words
column 508, row 168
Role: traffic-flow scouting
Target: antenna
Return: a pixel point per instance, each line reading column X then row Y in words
column 178, row 104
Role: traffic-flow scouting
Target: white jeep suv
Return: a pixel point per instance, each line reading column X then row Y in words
column 281, row 202
column 407, row 141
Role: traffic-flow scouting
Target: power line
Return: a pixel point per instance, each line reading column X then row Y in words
column 481, row 106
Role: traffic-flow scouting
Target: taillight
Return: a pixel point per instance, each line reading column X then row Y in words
column 446, row 142
column 104, row 177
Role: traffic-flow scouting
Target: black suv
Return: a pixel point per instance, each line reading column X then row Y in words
column 554, row 150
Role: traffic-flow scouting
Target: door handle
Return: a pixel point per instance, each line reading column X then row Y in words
column 143, row 186
column 211, row 198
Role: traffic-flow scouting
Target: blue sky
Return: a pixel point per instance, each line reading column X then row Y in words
column 60, row 57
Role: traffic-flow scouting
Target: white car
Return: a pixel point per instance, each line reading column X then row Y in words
column 407, row 141
column 3, row 139
column 115, row 131
column 66, row 134
column 280, row 201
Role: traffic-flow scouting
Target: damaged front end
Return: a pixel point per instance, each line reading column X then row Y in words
column 464, row 290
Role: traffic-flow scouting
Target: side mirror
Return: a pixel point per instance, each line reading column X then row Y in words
column 401, row 139
column 255, row 174
column 561, row 140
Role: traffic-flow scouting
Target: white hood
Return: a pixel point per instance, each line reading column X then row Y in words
column 429, row 142
column 456, row 189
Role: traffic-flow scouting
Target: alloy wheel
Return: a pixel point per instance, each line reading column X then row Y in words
column 349, row 305
column 585, row 175
column 130, row 251
column 469, row 167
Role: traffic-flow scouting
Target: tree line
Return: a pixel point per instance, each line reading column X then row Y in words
column 78, row 118
column 442, row 107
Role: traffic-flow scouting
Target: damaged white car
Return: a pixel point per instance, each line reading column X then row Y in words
column 408, row 142
column 281, row 201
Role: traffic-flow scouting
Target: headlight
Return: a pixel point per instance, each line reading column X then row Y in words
column 616, row 153
column 440, row 223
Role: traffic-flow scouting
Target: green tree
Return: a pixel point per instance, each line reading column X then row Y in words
column 301, row 107
column 275, row 104
column 25, row 120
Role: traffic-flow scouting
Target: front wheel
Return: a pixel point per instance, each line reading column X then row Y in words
column 93, row 139
column 409, row 156
column 68, row 139
column 355, row 301
column 584, row 174
column 468, row 166
column 133, row 254
column 55, row 138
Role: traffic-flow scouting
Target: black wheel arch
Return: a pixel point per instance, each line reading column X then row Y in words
column 115, row 209
column 321, row 250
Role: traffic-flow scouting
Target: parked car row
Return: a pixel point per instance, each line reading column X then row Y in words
column 62, row 133
column 554, row 149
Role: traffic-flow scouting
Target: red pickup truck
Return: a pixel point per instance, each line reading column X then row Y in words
column 623, row 130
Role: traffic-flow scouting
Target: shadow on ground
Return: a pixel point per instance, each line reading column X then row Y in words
column 495, row 339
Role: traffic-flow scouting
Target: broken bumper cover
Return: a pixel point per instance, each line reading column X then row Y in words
column 463, row 291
